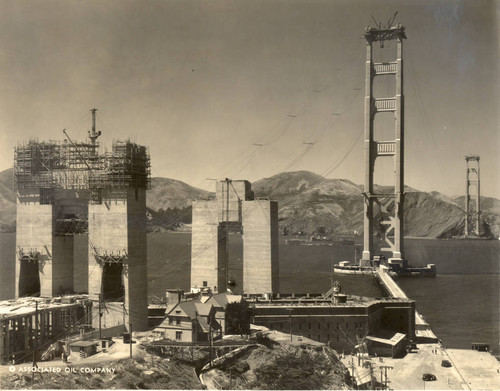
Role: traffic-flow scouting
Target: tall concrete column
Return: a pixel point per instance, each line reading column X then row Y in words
column 235, row 211
column 117, row 234
column 34, row 242
column 369, row 161
column 260, row 247
column 207, row 247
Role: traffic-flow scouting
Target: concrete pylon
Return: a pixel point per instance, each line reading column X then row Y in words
column 65, row 189
column 235, row 210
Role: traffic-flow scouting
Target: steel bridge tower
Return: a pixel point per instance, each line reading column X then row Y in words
column 472, row 183
column 390, row 204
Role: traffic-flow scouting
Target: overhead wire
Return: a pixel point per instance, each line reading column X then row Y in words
column 413, row 77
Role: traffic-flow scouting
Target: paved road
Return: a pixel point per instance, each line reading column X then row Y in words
column 470, row 369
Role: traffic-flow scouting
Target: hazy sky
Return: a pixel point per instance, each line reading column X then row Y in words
column 201, row 82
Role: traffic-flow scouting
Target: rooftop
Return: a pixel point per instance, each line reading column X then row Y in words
column 352, row 301
column 27, row 305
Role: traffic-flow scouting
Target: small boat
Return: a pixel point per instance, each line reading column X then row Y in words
column 414, row 271
column 345, row 267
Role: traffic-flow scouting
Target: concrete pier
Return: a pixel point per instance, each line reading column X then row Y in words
column 423, row 330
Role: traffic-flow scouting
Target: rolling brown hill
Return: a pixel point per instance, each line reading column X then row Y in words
column 307, row 202
column 311, row 204
column 170, row 193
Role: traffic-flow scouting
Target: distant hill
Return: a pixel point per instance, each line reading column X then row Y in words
column 308, row 202
column 170, row 193
column 313, row 204
column 490, row 213
column 7, row 201
column 168, row 202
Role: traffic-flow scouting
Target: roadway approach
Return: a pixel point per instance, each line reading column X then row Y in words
column 470, row 370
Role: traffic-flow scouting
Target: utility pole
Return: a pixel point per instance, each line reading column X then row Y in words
column 35, row 342
column 371, row 376
column 130, row 331
column 100, row 316
column 385, row 368
column 210, row 341
column 228, row 182
column 353, row 373
column 291, row 336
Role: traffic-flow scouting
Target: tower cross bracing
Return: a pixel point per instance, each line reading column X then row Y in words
column 391, row 205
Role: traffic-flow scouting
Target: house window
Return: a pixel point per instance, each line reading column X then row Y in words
column 178, row 335
column 178, row 320
column 170, row 320
column 300, row 326
column 205, row 283
column 309, row 326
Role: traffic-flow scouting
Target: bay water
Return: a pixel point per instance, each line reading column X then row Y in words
column 461, row 303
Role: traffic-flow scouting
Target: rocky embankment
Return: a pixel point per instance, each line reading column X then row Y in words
column 127, row 374
column 278, row 364
column 261, row 363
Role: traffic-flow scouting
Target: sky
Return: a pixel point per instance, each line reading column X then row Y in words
column 246, row 89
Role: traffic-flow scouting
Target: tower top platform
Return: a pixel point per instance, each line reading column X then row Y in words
column 373, row 34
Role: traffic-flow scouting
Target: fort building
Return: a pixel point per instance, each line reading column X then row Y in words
column 345, row 323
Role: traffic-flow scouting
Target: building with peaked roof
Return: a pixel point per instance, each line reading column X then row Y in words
column 220, row 302
column 190, row 321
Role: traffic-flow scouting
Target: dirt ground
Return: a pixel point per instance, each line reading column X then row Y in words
column 113, row 369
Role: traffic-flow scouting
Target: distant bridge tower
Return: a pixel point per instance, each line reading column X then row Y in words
column 472, row 183
column 389, row 203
